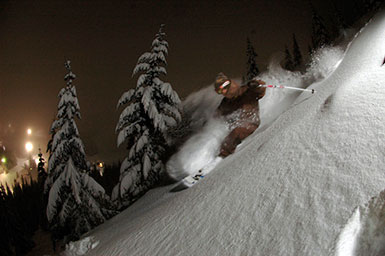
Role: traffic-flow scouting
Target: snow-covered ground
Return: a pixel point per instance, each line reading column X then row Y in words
column 293, row 187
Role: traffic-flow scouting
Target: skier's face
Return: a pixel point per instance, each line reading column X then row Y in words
column 224, row 88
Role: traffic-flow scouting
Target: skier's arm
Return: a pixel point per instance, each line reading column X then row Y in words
column 254, row 85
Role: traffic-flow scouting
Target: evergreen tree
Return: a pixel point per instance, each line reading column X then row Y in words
column 340, row 24
column 368, row 5
column 76, row 203
column 153, row 107
column 297, row 56
column 65, row 141
column 15, row 238
column 251, row 65
column 43, row 198
column 288, row 60
column 373, row 5
column 309, row 50
column 358, row 8
column 41, row 173
column 363, row 7
column 320, row 35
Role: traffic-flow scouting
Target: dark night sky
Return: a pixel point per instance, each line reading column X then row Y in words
column 103, row 39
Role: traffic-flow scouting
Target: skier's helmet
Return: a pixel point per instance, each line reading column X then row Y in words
column 221, row 82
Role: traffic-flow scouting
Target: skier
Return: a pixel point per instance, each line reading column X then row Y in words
column 239, row 108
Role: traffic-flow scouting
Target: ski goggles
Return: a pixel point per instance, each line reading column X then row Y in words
column 223, row 86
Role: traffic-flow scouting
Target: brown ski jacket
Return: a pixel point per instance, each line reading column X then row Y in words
column 242, row 115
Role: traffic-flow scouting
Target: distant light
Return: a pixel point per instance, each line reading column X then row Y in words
column 100, row 165
column 28, row 146
column 3, row 160
column 29, row 131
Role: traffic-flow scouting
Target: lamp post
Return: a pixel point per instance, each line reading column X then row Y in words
column 28, row 147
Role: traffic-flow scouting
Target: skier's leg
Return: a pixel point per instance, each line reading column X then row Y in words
column 235, row 138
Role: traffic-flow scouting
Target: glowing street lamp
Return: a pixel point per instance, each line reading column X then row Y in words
column 29, row 131
column 28, row 146
column 3, row 176
column 4, row 160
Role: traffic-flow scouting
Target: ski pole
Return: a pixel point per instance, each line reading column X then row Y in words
column 283, row 87
column 287, row 87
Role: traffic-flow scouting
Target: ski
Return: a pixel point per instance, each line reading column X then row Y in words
column 194, row 178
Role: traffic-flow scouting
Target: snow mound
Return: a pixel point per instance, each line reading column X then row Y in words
column 80, row 247
column 364, row 234
column 348, row 238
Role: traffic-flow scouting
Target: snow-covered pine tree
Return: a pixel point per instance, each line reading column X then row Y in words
column 288, row 60
column 340, row 22
column 251, row 65
column 357, row 10
column 153, row 107
column 320, row 35
column 41, row 173
column 42, row 203
column 297, row 56
column 76, row 203
column 371, row 5
column 65, row 141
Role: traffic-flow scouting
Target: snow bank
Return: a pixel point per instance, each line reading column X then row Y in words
column 371, row 239
column 347, row 240
column 364, row 234
column 80, row 247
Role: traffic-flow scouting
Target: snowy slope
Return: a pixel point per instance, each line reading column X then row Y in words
column 288, row 190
